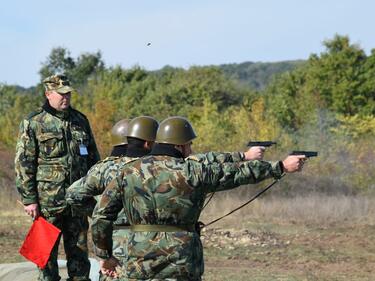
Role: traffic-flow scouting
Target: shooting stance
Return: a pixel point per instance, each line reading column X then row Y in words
column 162, row 195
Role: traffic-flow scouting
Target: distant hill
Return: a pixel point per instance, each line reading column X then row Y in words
column 258, row 74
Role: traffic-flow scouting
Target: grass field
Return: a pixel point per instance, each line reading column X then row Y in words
column 310, row 238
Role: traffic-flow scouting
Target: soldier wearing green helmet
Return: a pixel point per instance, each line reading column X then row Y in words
column 139, row 134
column 118, row 137
column 143, row 128
column 163, row 195
column 175, row 130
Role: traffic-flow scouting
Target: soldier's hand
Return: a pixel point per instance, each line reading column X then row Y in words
column 32, row 210
column 254, row 153
column 294, row 163
column 108, row 266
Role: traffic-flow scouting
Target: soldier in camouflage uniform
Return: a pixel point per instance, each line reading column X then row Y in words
column 140, row 136
column 80, row 195
column 162, row 195
column 56, row 147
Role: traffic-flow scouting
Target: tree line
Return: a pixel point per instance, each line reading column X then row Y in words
column 324, row 103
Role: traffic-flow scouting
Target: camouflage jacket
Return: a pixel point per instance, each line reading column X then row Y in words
column 167, row 190
column 81, row 194
column 217, row 157
column 53, row 150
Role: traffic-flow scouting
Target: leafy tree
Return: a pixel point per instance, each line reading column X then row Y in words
column 78, row 70
column 7, row 97
column 325, row 103
column 15, row 103
column 257, row 75
column 290, row 102
column 338, row 79
column 337, row 76
column 58, row 61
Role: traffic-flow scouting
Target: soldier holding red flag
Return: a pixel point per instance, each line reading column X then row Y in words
column 56, row 147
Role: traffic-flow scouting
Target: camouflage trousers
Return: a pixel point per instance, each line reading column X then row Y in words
column 74, row 233
column 120, row 239
column 164, row 279
column 119, row 250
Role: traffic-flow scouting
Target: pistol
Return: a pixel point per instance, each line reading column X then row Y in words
column 261, row 143
column 308, row 154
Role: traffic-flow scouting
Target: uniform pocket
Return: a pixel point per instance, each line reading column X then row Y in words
column 51, row 196
column 160, row 255
column 52, row 145
column 51, row 188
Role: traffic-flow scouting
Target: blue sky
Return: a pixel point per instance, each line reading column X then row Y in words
column 181, row 33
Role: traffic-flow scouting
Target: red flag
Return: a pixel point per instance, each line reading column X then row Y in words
column 39, row 242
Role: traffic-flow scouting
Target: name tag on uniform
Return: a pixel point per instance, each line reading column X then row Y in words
column 83, row 150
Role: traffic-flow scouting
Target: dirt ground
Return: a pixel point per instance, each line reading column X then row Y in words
column 260, row 252
column 307, row 253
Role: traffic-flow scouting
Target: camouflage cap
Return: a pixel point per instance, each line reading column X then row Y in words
column 58, row 83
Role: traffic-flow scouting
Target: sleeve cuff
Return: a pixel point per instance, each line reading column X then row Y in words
column 241, row 156
column 101, row 253
column 277, row 169
column 28, row 201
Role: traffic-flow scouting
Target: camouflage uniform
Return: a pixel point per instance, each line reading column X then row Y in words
column 166, row 193
column 217, row 157
column 54, row 149
column 131, row 139
column 80, row 195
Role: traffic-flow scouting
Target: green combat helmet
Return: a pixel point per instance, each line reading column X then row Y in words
column 175, row 130
column 143, row 127
column 58, row 83
column 119, row 132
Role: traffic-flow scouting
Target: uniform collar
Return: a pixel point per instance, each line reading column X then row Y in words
column 134, row 151
column 166, row 149
column 60, row 114
column 119, row 150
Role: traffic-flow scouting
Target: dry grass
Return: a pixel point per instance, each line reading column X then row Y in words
column 314, row 209
column 302, row 238
column 315, row 237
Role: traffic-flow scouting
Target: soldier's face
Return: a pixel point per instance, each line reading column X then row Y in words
column 58, row 101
